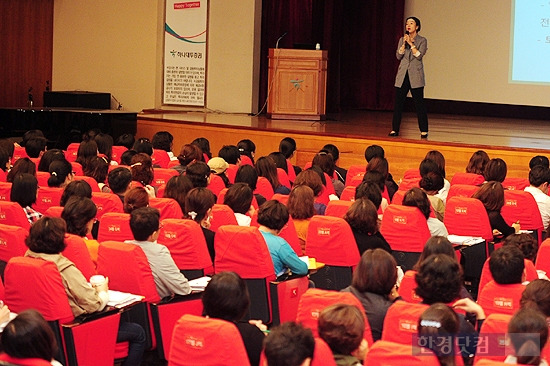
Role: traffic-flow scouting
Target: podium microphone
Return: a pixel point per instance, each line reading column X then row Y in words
column 281, row 37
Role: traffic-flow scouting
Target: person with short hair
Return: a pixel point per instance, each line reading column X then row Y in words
column 301, row 207
column 35, row 147
column 239, row 198
column 97, row 167
column 507, row 265
column 22, row 165
column 311, row 178
column 204, row 145
column 362, row 217
column 539, row 160
column 539, row 178
column 189, row 153
column 371, row 191
column 342, row 326
column 48, row 157
column 126, row 139
column 126, row 157
column 145, row 226
column 495, row 170
column 477, row 162
column 120, row 180
column 526, row 243
column 79, row 213
column 143, row 172
column 143, row 146
column 86, row 150
column 198, row 173
column 77, row 188
column 177, row 188
column 289, row 344
column 163, row 140
column 23, row 191
column 272, row 218
column 416, row 197
column 231, row 154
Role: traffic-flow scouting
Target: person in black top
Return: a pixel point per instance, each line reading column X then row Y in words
column 198, row 207
column 363, row 220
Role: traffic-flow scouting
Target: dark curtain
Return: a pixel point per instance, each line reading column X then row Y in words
column 360, row 36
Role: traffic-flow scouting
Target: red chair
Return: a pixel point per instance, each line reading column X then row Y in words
column 467, row 216
column 530, row 273
column 407, row 288
column 221, row 196
column 502, row 299
column 162, row 176
column 18, row 153
column 185, row 241
column 315, row 300
column 397, row 198
column 115, row 226
column 356, row 180
column 291, row 236
column 283, row 178
column 106, row 202
column 77, row 168
column 543, row 257
column 222, row 215
column 401, row 322
column 206, row 341
column 77, row 252
column 3, row 176
column 406, row 230
column 117, row 152
column 128, row 270
column 46, row 197
column 216, row 184
column 348, row 194
column 36, row 283
column 407, row 184
column 521, row 205
column 160, row 158
column 12, row 244
column 384, row 353
column 12, row 214
column 54, row 211
column 519, row 184
column 245, row 160
column 290, row 171
column 42, row 178
column 283, row 198
column 467, row 178
column 231, row 172
column 413, row 173
column 462, row 190
column 5, row 191
column 243, row 250
column 338, row 208
column 91, row 181
column 169, row 208
column 330, row 241
column 353, row 171
column 72, row 151
column 492, row 344
column 322, row 355
column 264, row 188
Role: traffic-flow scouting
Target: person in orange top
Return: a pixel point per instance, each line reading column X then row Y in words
column 300, row 207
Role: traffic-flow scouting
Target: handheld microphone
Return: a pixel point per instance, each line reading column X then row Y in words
column 281, row 37
column 406, row 44
column 407, row 32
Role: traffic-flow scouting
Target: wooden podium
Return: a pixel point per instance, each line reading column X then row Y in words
column 298, row 82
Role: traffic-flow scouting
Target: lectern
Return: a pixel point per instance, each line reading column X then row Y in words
column 298, row 84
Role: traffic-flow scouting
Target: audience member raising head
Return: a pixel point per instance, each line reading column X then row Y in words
column 437, row 327
column 48, row 157
column 491, row 194
column 528, row 333
column 477, row 162
column 289, row 344
column 239, row 198
column 362, row 217
column 77, row 188
column 23, row 191
column 301, row 208
column 21, row 166
column 177, row 188
column 198, row 207
column 495, row 170
column 265, row 166
column 415, row 197
column 198, row 173
column 61, row 173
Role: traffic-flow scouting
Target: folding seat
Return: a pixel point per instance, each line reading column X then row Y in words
column 530, row 273
column 12, row 244
column 348, row 194
column 77, row 168
column 492, row 344
column 462, row 190
column 384, row 353
column 106, row 202
column 331, row 241
column 160, row 158
column 543, row 257
column 32, row 283
column 46, row 197
column 231, row 172
column 502, row 299
column 53, row 211
column 2, row 176
column 291, row 172
column 406, row 230
column 169, row 208
column 5, row 191
column 77, row 252
column 222, row 215
column 324, row 196
column 315, row 300
column 401, row 322
column 162, row 176
column 185, row 241
column 12, row 214
column 356, row 179
column 72, row 151
column 243, row 250
column 221, row 196
column 117, row 152
column 338, row 208
column 91, row 181
column 18, row 153
column 245, row 160
column 115, row 226
column 467, row 178
column 407, row 184
column 512, row 183
column 128, row 270
column 283, row 178
column 216, row 184
column 42, row 178
column 408, row 286
column 353, row 171
column 264, row 188
column 283, row 198
column 398, row 197
column 413, row 173
column 206, row 341
column 467, row 216
column 521, row 205
column 484, row 362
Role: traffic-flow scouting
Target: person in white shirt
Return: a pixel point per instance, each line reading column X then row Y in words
column 539, row 177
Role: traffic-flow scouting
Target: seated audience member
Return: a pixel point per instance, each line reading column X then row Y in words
column 29, row 135
column 377, row 178
column 416, row 197
column 376, row 151
column 432, row 181
column 289, row 344
column 35, row 147
column 127, row 140
column 135, row 198
column 46, row 241
column 22, row 165
column 280, row 161
column 48, row 157
column 163, row 140
column 204, row 145
column 539, row 178
column 143, row 145
column 198, row 207
column 23, row 191
column 437, row 328
column 98, row 167
column 91, row 134
column 126, row 157
column 198, row 173
column 287, row 147
column 438, row 158
column 226, row 297
column 310, row 178
column 78, row 188
column 247, row 147
column 362, row 217
column 537, row 296
column 380, row 165
column 374, row 284
column 301, row 207
column 61, row 173
column 491, row 194
column 105, row 147
column 539, row 160
column 247, row 174
column 79, row 214
column 335, row 153
column 239, row 198
column 495, row 170
column 526, row 243
column 371, row 191
column 342, row 326
column 507, row 265
column 218, row 166
column 477, row 162
column 265, row 166
column 145, row 226
column 231, row 154
column 9, row 147
column 177, row 188
column 120, row 180
column 143, row 173
column 528, row 334
column 28, row 338
column 325, row 161
column 189, row 153
column 86, row 150
column 5, row 160
column 272, row 217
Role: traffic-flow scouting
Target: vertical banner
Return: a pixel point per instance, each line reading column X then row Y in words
column 185, row 52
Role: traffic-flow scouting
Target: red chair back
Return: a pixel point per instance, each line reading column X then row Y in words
column 283, row 178
column 353, row 171
column 291, row 172
column 216, row 184
column 291, row 236
column 77, row 252
column 77, row 168
column 398, row 196
column 162, row 176
column 91, row 181
column 264, row 188
column 468, row 217
column 405, row 228
column 117, row 152
column 115, row 226
column 356, row 180
column 384, row 353
column 502, row 299
column 283, row 198
column 72, row 151
column 42, row 178
column 106, row 202
column 348, row 194
column 54, row 211
column 401, row 322
column 169, row 208
column 160, row 158
column 543, row 257
column 5, row 191
column 530, row 273
column 413, row 173
column 18, row 153
column 467, row 178
column 521, row 205
column 206, row 341
column 407, row 184
column 338, row 208
column 46, row 197
column 330, row 241
column 12, row 242
column 519, row 184
column 408, row 286
column 185, row 241
column 222, row 215
column 245, row 160
column 221, row 196
column 231, row 172
column 462, row 190
column 493, row 333
column 12, row 214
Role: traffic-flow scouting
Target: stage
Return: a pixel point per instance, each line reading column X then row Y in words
column 456, row 136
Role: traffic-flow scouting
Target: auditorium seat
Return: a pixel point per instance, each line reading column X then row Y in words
column 12, row 244
column 338, row 208
column 543, row 257
column 106, row 202
column 355, row 170
column 283, row 178
column 408, row 286
column 5, row 191
column 493, row 342
column 46, row 197
column 512, row 183
column 521, row 206
column 502, row 299
column 283, row 198
column 348, row 194
column 162, row 176
column 409, row 183
column 264, row 188
column 115, row 226
column 77, row 252
column 169, row 208
column 216, row 184
column 462, row 190
column 72, row 151
column 160, row 158
column 12, row 214
column 401, row 322
column 413, row 173
column 231, row 172
column 117, row 152
column 42, row 178
column 384, row 353
column 467, row 178
column 77, row 168
column 91, row 181
column 222, row 215
column 54, row 211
